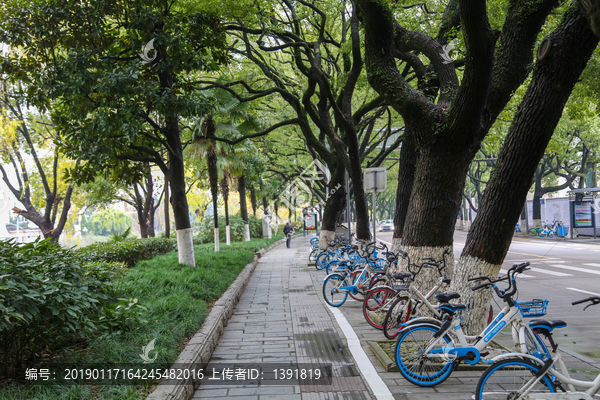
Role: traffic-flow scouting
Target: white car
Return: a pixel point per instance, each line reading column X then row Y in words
column 386, row 225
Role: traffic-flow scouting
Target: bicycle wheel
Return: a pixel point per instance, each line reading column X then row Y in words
column 331, row 267
column 361, row 281
column 542, row 233
column 413, row 365
column 322, row 260
column 490, row 317
column 376, row 305
column 313, row 255
column 503, row 380
column 331, row 290
column 551, row 234
column 398, row 314
column 533, row 345
column 376, row 281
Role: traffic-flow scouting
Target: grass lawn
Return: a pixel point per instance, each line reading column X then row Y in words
column 175, row 300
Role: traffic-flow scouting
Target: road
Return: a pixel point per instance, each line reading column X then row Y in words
column 562, row 272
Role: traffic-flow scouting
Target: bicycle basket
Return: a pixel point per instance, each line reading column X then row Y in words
column 534, row 308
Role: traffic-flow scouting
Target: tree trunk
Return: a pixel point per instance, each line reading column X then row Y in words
column 166, row 210
column 243, row 207
column 225, row 191
column 333, row 206
column 572, row 44
column 209, row 128
column 253, row 201
column 185, row 245
column 406, row 176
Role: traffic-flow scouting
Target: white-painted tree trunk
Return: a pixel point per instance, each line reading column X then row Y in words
column 216, row 239
column 227, row 235
column 325, row 238
column 247, row 233
column 477, row 302
column 428, row 277
column 537, row 223
column 185, row 247
column 396, row 245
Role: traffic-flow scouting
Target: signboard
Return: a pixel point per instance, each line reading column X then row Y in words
column 583, row 214
column 375, row 178
column 310, row 222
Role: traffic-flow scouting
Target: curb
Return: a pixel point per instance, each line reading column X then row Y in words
column 200, row 348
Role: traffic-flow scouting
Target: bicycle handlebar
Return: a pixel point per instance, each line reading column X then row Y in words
column 595, row 300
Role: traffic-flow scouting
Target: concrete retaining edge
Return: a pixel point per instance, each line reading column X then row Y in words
column 200, row 348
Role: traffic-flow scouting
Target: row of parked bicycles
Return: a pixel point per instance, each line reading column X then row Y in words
column 430, row 340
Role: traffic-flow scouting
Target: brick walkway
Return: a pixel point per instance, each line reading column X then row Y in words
column 282, row 319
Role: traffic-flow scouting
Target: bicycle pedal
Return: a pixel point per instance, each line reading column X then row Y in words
column 487, row 353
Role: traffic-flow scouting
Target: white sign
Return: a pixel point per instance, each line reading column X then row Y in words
column 375, row 178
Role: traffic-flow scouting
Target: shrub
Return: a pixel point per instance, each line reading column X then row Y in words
column 47, row 298
column 236, row 227
column 128, row 252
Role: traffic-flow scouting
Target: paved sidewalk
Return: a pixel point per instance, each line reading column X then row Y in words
column 282, row 318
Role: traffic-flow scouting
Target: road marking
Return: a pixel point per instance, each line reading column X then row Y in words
column 520, row 275
column 583, row 291
column 553, row 261
column 379, row 388
column 532, row 255
column 589, row 271
column 545, row 271
column 592, row 265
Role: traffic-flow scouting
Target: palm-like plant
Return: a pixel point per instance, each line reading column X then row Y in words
column 225, row 161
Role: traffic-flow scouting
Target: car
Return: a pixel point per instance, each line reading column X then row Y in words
column 386, row 225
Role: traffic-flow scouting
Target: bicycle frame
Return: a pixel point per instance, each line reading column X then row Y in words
column 563, row 376
column 509, row 315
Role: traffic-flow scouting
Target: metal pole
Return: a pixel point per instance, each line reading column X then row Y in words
column 526, row 218
column 594, row 214
column 572, row 217
column 373, row 218
column 470, row 215
column 348, row 204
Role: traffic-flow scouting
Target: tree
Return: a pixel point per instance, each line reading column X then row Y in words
column 318, row 47
column 26, row 135
column 572, row 44
column 445, row 117
column 115, row 104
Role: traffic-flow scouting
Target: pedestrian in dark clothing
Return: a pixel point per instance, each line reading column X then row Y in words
column 288, row 229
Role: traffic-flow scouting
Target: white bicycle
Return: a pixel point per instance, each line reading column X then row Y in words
column 518, row 376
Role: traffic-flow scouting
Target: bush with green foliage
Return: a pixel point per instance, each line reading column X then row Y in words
column 128, row 252
column 108, row 221
column 48, row 298
column 236, row 228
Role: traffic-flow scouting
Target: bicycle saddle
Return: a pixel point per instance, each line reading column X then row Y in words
column 546, row 326
column 447, row 308
column 446, row 297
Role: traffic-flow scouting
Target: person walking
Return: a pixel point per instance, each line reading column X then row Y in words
column 288, row 229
